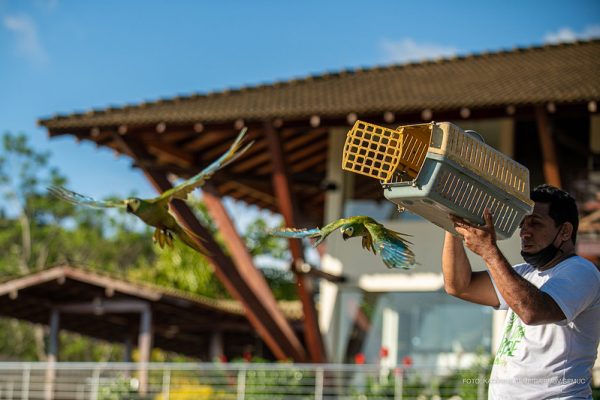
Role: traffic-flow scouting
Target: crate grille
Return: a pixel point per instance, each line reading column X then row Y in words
column 471, row 198
column 486, row 162
column 372, row 150
column 385, row 154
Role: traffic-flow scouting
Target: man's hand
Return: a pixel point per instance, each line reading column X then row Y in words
column 479, row 239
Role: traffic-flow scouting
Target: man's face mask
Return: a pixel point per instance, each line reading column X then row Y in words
column 544, row 256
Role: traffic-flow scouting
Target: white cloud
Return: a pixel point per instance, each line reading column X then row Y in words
column 408, row 50
column 47, row 4
column 27, row 41
column 569, row 35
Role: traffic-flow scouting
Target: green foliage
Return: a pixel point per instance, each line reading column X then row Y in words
column 17, row 341
column 122, row 388
column 281, row 282
column 74, row 347
column 384, row 385
column 34, row 235
column 181, row 268
column 260, row 242
column 280, row 384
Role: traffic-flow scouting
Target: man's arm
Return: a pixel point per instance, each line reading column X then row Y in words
column 460, row 280
column 533, row 306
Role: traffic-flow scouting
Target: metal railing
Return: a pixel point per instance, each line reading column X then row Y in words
column 235, row 381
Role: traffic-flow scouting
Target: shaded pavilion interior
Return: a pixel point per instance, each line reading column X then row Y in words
column 111, row 309
column 550, row 93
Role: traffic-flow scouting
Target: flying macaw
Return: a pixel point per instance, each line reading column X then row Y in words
column 391, row 246
column 155, row 211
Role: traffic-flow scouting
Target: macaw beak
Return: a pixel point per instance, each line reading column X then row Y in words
column 345, row 235
column 128, row 208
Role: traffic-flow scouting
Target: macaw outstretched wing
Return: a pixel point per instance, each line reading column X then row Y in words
column 79, row 199
column 182, row 190
column 393, row 248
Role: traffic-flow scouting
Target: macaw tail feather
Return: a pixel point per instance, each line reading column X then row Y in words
column 293, row 233
column 395, row 256
column 192, row 240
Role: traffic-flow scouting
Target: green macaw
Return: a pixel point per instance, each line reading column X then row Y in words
column 392, row 247
column 155, row 212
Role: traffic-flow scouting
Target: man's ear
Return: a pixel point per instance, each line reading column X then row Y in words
column 566, row 231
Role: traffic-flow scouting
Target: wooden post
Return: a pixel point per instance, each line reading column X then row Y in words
column 283, row 192
column 52, row 355
column 215, row 350
column 127, row 348
column 145, row 347
column 550, row 163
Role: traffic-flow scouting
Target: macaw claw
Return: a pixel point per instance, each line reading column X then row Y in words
column 162, row 237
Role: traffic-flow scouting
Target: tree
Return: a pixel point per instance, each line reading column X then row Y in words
column 33, row 235
column 38, row 231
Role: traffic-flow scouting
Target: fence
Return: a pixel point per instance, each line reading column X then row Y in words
column 233, row 381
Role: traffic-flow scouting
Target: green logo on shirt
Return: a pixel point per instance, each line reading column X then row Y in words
column 513, row 334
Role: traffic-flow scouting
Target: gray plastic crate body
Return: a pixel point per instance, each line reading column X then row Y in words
column 442, row 188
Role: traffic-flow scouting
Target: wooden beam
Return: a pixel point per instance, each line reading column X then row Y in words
column 242, row 279
column 176, row 136
column 251, row 275
column 205, row 139
column 550, row 163
column 290, row 144
column 258, row 190
column 168, row 153
column 283, row 192
column 104, row 306
column 316, row 159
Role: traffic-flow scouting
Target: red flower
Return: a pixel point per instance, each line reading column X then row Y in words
column 359, row 358
column 383, row 352
column 407, row 361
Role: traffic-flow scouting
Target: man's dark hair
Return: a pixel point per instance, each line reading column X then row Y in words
column 562, row 205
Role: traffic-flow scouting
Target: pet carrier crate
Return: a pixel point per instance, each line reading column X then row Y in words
column 437, row 169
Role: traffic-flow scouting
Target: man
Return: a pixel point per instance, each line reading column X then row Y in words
column 553, row 323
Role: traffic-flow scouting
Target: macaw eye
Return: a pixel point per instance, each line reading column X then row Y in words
column 350, row 230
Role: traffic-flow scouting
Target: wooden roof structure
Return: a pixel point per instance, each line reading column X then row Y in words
column 87, row 303
column 184, row 132
column 563, row 73
column 292, row 123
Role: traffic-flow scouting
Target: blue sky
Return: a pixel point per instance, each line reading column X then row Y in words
column 59, row 56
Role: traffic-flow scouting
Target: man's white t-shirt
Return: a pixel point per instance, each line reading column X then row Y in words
column 551, row 360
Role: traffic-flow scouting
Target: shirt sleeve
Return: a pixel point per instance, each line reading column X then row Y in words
column 573, row 289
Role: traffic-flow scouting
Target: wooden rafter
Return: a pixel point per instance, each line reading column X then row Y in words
column 169, row 153
column 282, row 187
column 551, row 170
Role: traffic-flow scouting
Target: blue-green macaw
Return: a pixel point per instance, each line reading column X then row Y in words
column 155, row 212
column 393, row 249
